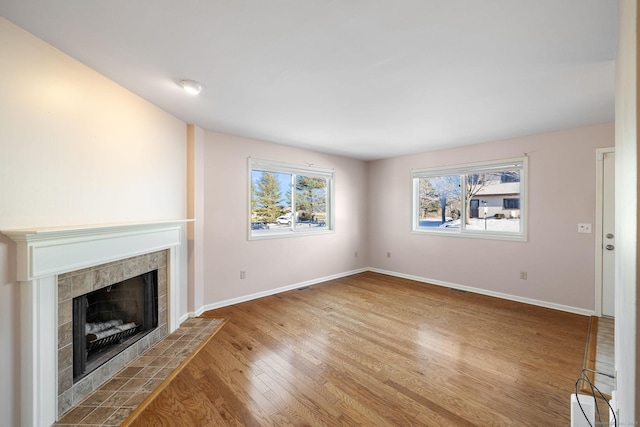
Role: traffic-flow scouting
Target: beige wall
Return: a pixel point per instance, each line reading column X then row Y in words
column 274, row 263
column 558, row 260
column 75, row 148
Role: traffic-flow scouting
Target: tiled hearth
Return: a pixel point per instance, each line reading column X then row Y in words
column 80, row 282
column 115, row 400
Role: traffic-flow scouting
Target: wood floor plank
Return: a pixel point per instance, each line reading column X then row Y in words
column 376, row 350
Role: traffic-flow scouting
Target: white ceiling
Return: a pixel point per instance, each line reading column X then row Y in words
column 367, row 79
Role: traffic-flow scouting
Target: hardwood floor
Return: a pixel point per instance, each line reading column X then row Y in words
column 371, row 349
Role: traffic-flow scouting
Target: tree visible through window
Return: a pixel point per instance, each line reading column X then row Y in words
column 287, row 199
column 266, row 197
column 484, row 199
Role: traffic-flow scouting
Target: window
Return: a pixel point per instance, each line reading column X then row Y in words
column 289, row 200
column 511, row 203
column 475, row 200
column 510, row 176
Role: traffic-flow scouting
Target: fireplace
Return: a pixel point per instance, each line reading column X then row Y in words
column 109, row 320
column 113, row 293
column 55, row 265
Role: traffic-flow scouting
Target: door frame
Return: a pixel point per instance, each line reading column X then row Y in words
column 600, row 152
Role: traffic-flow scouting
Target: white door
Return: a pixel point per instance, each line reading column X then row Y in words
column 608, row 236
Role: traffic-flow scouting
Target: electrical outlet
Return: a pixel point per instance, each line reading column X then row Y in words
column 243, row 275
column 388, row 254
column 523, row 275
column 584, row 228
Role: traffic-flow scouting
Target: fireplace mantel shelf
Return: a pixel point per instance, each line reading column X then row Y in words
column 43, row 233
column 55, row 250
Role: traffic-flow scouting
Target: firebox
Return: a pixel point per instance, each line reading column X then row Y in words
column 109, row 320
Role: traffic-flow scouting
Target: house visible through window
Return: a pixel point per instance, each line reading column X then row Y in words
column 511, row 203
column 288, row 200
column 475, row 200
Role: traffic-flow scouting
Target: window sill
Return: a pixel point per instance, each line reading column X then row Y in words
column 286, row 234
column 474, row 235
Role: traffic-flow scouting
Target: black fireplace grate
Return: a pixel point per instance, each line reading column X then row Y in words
column 116, row 338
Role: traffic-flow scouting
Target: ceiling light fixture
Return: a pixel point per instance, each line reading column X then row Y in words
column 192, row 87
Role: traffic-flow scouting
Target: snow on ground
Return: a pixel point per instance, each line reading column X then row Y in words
column 492, row 224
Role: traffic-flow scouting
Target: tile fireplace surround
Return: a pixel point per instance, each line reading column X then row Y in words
column 48, row 261
column 80, row 282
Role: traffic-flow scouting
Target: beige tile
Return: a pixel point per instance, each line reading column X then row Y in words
column 65, row 401
column 65, row 379
column 118, row 398
column 148, row 372
column 81, row 389
column 136, row 400
column 114, row 384
column 117, row 363
column 65, row 312
column 82, row 283
column 65, row 357
column 174, row 362
column 65, row 334
column 160, row 361
column 162, row 317
column 101, row 278
column 96, row 398
column 129, row 372
column 153, row 351
column 76, row 415
column 142, row 361
column 152, row 384
column 134, row 384
column 64, row 288
column 101, row 375
column 164, row 373
column 99, row 415
column 116, row 272
column 131, row 267
column 117, row 417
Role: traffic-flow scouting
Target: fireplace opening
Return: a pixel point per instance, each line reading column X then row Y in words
column 109, row 320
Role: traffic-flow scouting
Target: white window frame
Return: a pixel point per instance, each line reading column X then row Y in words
column 287, row 168
column 462, row 170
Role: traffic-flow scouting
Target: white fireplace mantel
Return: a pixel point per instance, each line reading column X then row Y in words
column 42, row 255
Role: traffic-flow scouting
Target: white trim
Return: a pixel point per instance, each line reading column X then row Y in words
column 600, row 152
column 39, row 339
column 287, row 168
column 273, row 166
column 458, row 169
column 496, row 235
column 269, row 292
column 291, row 233
column 49, row 251
column 521, row 163
column 509, row 297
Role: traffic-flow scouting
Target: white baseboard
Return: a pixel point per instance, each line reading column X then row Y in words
column 184, row 317
column 480, row 291
column 560, row 307
column 257, row 295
